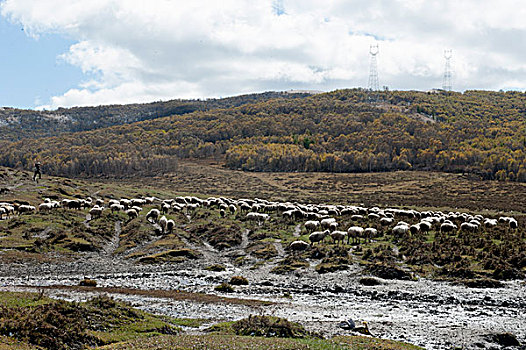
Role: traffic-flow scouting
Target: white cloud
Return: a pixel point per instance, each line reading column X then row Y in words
column 133, row 50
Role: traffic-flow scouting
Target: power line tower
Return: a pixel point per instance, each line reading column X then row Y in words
column 373, row 85
column 278, row 7
column 446, row 83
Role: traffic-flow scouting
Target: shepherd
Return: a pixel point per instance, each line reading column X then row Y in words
column 37, row 172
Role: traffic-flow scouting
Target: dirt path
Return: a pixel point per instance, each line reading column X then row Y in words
column 279, row 248
column 244, row 239
column 113, row 244
column 209, row 253
column 86, row 222
column 297, row 230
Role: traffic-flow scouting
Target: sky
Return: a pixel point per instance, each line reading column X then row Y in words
column 92, row 52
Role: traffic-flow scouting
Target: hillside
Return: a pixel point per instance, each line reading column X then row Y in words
column 477, row 132
column 16, row 124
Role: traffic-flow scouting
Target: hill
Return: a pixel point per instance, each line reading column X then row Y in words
column 477, row 132
column 16, row 124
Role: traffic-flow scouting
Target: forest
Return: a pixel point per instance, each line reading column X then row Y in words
column 477, row 132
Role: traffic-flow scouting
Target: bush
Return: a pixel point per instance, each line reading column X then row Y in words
column 238, row 281
column 268, row 326
column 216, row 268
column 86, row 282
column 224, row 287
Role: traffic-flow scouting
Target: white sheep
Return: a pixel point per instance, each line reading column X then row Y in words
column 259, row 217
column 448, row 226
column 25, row 208
column 298, row 246
column 369, row 233
column 162, row 222
column 338, row 236
column 96, row 212
column 132, row 214
column 400, row 230
column 153, row 214
column 311, row 225
column 45, row 207
column 116, row 207
column 354, row 232
column 326, row 223
column 318, row 236
column 170, row 224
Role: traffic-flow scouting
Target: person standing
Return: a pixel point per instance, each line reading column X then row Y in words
column 37, row 171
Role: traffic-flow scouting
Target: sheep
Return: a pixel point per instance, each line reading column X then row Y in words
column 7, row 209
column 448, row 226
column 373, row 216
column 259, row 217
column 369, row 233
column 24, row 208
column 468, row 227
column 170, row 224
column 425, row 226
column 222, row 213
column 488, row 223
column 311, row 225
column 116, row 207
column 386, row 221
column 125, row 202
column 162, row 223
column 45, row 207
column 136, row 208
column 99, row 202
column 338, row 236
column 137, row 202
column 232, row 208
column 414, row 229
column 153, row 214
column 333, row 226
column 513, row 224
column 132, row 214
column 3, row 212
column 298, row 246
column 318, row 236
column 326, row 223
column 96, row 211
column 354, row 232
column 357, row 217
column 400, row 230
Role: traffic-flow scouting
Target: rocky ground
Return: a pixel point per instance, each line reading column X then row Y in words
column 434, row 315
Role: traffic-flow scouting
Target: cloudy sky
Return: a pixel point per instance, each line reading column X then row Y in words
column 92, row 52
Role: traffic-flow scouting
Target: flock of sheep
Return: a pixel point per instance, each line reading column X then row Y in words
column 320, row 221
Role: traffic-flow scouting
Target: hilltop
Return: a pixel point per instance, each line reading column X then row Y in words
column 16, row 124
column 477, row 132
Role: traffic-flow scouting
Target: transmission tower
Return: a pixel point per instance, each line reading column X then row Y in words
column 278, row 7
column 446, row 83
column 373, row 69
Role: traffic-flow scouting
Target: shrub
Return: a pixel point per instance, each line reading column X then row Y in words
column 216, row 268
column 268, row 326
column 86, row 282
column 224, row 287
column 238, row 281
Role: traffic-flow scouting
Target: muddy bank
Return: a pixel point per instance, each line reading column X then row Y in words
column 435, row 315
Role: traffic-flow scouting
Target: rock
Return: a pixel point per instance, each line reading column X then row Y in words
column 349, row 324
column 369, row 281
column 503, row 339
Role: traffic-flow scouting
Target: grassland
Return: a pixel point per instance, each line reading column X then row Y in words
column 497, row 254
